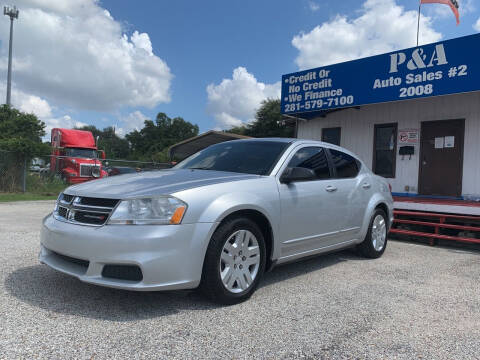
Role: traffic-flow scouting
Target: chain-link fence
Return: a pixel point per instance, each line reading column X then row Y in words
column 49, row 175
column 12, row 172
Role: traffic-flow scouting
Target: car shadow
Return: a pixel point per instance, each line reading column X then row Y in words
column 55, row 292
column 308, row 265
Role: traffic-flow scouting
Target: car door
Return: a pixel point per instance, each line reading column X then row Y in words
column 353, row 188
column 311, row 211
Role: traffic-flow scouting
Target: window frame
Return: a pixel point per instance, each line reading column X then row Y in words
column 339, row 128
column 394, row 163
column 334, row 168
column 304, row 146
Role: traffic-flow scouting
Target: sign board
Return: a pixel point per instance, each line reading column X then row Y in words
column 442, row 68
column 408, row 136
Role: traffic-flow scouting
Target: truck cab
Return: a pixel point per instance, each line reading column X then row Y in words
column 75, row 157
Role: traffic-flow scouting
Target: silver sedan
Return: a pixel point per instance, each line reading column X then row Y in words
column 219, row 219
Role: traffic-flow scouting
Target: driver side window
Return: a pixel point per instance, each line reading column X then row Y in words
column 313, row 158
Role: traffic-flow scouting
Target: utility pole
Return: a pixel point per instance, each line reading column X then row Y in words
column 13, row 14
column 418, row 24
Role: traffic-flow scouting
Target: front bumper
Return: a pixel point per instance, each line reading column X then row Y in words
column 169, row 256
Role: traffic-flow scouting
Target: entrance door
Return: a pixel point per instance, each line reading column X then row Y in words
column 441, row 158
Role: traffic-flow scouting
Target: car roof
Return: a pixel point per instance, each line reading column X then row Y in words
column 289, row 141
column 296, row 141
column 272, row 139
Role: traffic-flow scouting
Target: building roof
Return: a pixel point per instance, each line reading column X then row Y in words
column 190, row 146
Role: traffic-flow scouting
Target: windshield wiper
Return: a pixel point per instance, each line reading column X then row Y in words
column 200, row 168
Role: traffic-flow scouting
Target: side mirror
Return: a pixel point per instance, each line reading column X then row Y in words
column 102, row 154
column 297, row 174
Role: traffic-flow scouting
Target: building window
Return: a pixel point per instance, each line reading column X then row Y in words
column 385, row 149
column 331, row 135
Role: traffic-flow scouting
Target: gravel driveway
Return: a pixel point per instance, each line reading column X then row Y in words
column 415, row 302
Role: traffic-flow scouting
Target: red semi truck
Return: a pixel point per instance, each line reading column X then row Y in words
column 75, row 156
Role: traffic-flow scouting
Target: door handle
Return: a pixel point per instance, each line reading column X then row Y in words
column 366, row 186
column 331, row 188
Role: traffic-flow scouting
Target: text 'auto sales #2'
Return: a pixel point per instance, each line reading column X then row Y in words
column 447, row 67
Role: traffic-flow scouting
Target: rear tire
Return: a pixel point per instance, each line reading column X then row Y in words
column 375, row 242
column 234, row 262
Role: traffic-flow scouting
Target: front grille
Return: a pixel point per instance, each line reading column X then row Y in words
column 84, row 210
column 86, row 170
column 67, row 198
column 62, row 212
column 98, row 202
column 122, row 272
column 90, row 218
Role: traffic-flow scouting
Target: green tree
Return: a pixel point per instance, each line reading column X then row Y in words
column 20, row 140
column 114, row 146
column 151, row 142
column 267, row 123
column 21, row 133
column 239, row 130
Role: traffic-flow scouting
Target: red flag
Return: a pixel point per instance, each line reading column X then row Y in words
column 452, row 3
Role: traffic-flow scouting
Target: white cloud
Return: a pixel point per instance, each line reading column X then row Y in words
column 476, row 26
column 381, row 26
column 32, row 104
column 133, row 121
column 142, row 41
column 76, row 55
column 313, row 6
column 234, row 101
column 65, row 121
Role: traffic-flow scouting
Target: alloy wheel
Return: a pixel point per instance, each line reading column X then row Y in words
column 239, row 261
column 379, row 232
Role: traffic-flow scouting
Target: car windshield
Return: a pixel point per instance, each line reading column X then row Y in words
column 124, row 170
column 81, row 153
column 249, row 157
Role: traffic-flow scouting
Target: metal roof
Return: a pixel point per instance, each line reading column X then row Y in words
column 190, row 146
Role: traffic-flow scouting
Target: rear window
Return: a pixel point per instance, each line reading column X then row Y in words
column 347, row 166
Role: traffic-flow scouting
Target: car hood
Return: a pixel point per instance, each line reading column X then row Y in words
column 162, row 182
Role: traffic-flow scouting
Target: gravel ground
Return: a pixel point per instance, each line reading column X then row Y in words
column 415, row 302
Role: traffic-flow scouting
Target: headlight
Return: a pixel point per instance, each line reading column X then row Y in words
column 161, row 210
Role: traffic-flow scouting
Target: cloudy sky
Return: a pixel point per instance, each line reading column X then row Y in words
column 212, row 62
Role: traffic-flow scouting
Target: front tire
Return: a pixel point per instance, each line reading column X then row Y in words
column 234, row 262
column 375, row 242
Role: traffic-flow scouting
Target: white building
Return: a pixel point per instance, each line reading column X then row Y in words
column 428, row 145
column 435, row 168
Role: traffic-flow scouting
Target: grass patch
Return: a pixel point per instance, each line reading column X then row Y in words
column 8, row 197
column 46, row 185
column 38, row 188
